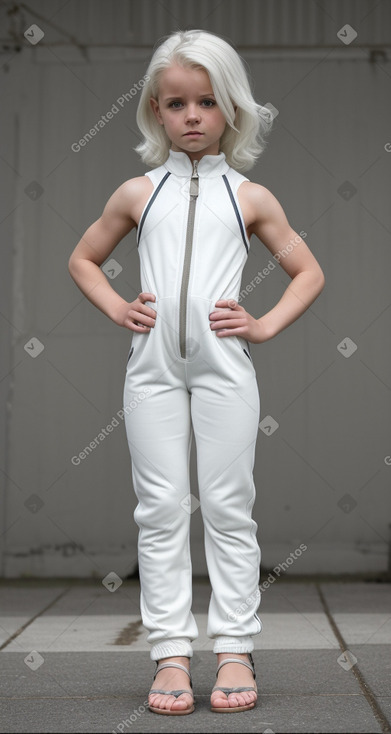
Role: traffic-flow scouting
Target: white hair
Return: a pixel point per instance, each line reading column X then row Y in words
column 243, row 138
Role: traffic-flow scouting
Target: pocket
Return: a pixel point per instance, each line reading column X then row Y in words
column 245, row 347
column 130, row 354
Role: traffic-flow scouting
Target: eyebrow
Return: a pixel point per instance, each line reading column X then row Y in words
column 177, row 96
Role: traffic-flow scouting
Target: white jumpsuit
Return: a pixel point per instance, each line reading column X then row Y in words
column 182, row 379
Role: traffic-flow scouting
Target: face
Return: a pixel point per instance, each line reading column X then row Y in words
column 187, row 108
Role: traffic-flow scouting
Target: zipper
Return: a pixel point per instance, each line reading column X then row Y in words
column 187, row 259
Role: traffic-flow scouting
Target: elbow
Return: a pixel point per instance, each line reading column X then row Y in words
column 320, row 280
column 72, row 266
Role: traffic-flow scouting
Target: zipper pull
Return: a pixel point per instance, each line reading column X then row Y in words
column 194, row 181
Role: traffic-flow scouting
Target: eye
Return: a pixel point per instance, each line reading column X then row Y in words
column 209, row 102
column 174, row 103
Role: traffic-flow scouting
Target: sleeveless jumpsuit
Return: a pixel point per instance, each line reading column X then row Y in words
column 182, row 381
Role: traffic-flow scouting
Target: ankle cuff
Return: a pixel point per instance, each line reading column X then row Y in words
column 173, row 647
column 233, row 644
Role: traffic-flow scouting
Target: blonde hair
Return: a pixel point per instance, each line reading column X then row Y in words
column 243, row 138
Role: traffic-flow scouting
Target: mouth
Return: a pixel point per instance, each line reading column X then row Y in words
column 193, row 134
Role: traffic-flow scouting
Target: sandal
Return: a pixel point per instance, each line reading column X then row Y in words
column 176, row 693
column 227, row 691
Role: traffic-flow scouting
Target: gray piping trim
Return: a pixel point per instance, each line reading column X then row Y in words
column 141, row 223
column 231, row 196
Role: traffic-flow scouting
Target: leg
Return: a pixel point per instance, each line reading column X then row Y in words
column 225, row 419
column 226, row 428
column 159, row 437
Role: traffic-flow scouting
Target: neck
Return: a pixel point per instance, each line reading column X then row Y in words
column 199, row 155
column 182, row 164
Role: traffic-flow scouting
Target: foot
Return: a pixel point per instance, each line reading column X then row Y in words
column 172, row 679
column 233, row 675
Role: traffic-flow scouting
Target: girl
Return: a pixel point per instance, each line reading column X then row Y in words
column 190, row 369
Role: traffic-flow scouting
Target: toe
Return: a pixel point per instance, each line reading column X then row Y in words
column 182, row 702
column 235, row 699
column 159, row 700
column 219, row 700
column 168, row 702
column 241, row 699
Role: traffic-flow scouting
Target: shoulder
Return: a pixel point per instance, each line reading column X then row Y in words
column 133, row 187
column 259, row 203
column 130, row 197
column 256, row 193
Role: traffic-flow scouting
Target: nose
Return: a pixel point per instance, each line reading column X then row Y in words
column 192, row 113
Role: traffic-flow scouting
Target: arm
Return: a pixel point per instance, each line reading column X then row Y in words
column 118, row 218
column 267, row 220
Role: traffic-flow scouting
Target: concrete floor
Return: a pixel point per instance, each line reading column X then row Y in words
column 75, row 659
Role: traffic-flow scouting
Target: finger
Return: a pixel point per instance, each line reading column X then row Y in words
column 144, row 296
column 137, row 327
column 140, row 316
column 230, row 332
column 149, row 312
column 224, row 315
column 227, row 324
column 217, row 315
column 230, row 303
column 146, row 322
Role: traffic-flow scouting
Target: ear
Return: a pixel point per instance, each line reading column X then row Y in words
column 156, row 110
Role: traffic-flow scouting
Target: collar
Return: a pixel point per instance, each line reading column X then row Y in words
column 208, row 166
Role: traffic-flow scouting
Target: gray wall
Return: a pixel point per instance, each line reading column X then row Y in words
column 322, row 477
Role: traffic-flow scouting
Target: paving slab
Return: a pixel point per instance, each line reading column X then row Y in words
column 291, row 714
column 91, row 618
column 19, row 605
column 299, row 691
column 82, row 662
column 385, row 704
column 71, row 674
column 357, row 597
column 374, row 662
column 99, row 633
